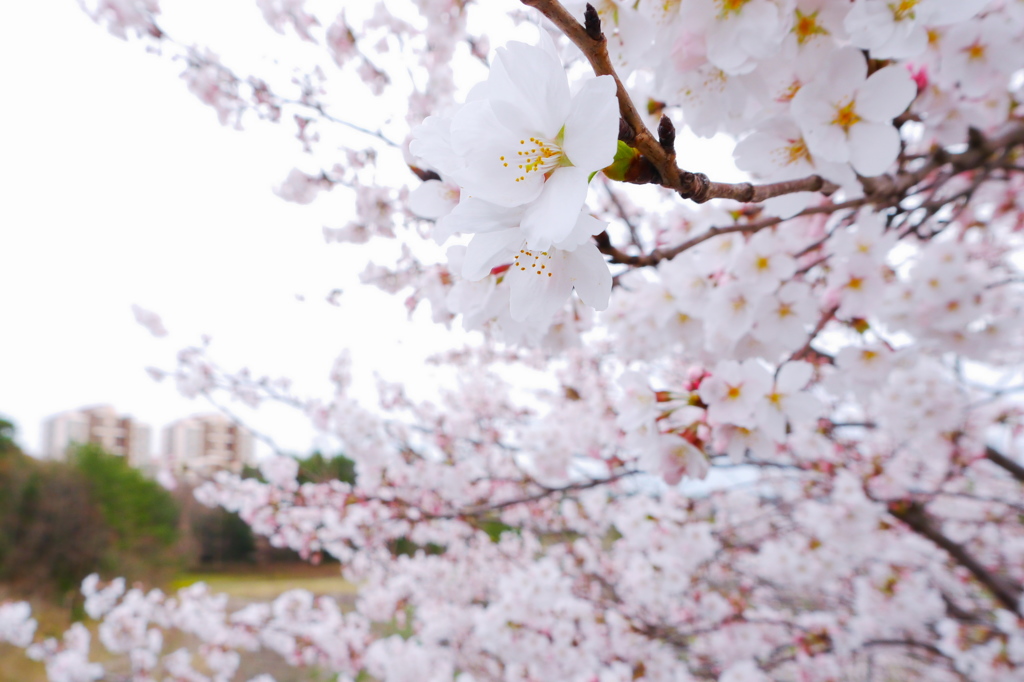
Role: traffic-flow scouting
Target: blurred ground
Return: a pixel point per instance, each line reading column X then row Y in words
column 244, row 584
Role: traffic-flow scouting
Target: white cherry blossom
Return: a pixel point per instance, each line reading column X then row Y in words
column 846, row 116
column 526, row 141
column 733, row 391
column 739, row 32
column 899, row 29
column 787, row 401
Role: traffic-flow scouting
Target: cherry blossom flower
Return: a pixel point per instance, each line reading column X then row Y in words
column 122, row 16
column 899, row 29
column 527, row 141
column 341, row 41
column 739, row 32
column 150, row 320
column 679, row 458
column 733, row 391
column 978, row 56
column 846, row 115
column 16, row 623
column 783, row 317
column 777, row 150
column 541, row 281
column 787, row 401
column 302, row 188
column 434, row 199
column 762, row 263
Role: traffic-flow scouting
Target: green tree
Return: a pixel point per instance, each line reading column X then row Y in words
column 319, row 469
column 52, row 533
column 6, row 436
column 141, row 516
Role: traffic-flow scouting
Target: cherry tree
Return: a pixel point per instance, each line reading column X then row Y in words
column 771, row 429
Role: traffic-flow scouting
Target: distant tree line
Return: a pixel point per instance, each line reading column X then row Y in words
column 61, row 520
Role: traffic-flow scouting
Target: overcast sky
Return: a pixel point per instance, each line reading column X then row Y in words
column 119, row 187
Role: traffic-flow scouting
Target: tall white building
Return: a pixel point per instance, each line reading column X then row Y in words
column 198, row 446
column 101, row 424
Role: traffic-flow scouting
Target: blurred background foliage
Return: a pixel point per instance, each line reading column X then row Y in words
column 62, row 520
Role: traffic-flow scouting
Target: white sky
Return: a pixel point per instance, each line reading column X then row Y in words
column 119, row 187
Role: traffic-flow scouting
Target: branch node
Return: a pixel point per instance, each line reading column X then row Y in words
column 694, row 186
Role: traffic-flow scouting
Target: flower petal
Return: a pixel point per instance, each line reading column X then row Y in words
column 552, row 216
column 586, row 227
column 433, row 199
column 886, row 94
column 539, row 295
column 873, row 147
column 487, row 250
column 527, row 84
column 489, row 149
column 590, row 275
column 475, row 215
column 844, row 73
column 592, row 127
column 793, row 376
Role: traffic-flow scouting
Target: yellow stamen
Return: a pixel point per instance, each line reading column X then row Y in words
column 904, row 9
column 975, row 51
column 730, row 7
column 806, row 27
column 846, row 116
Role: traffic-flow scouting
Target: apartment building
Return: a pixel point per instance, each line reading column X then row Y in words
column 198, row 446
column 101, row 424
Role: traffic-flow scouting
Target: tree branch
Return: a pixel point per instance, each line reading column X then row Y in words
column 913, row 514
column 694, row 186
column 1001, row 460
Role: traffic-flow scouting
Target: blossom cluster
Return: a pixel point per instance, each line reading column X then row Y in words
column 770, row 438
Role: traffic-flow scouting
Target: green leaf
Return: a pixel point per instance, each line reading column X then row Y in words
column 624, row 156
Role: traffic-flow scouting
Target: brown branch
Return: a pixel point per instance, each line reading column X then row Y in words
column 654, row 257
column 913, row 514
column 536, row 497
column 807, row 349
column 694, row 186
column 1001, row 460
column 923, row 646
column 881, row 191
column 753, row 194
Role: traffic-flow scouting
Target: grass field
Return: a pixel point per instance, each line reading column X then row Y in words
column 243, row 584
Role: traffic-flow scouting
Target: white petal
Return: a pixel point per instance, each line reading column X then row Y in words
column 482, row 141
column 487, row 250
column 552, row 216
column 592, row 127
column 873, row 147
column 793, row 376
column 474, row 215
column 844, row 73
column 828, row 142
column 886, row 94
column 433, row 199
column 431, row 141
column 590, row 276
column 472, row 124
column 586, row 227
column 528, row 85
column 538, row 295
